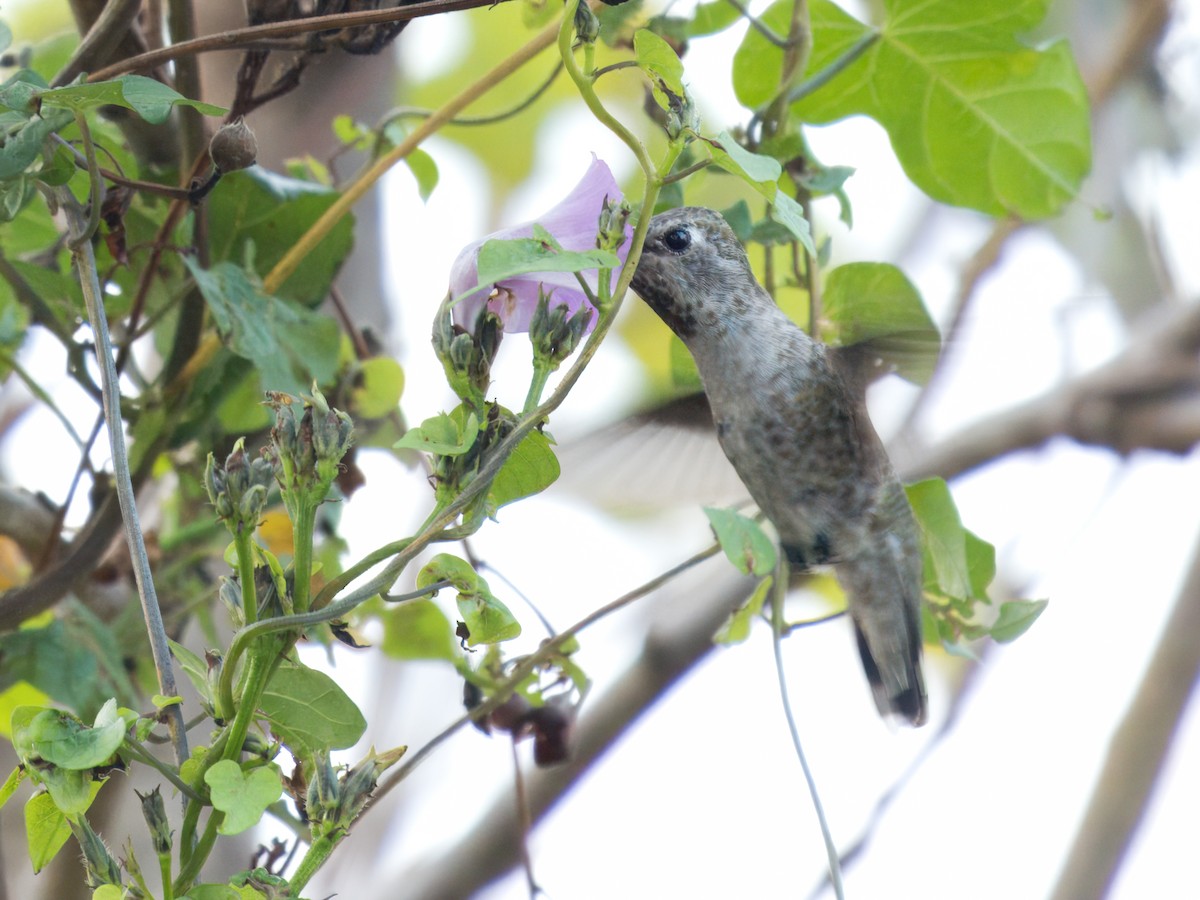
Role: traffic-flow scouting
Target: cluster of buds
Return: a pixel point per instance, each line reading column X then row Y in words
column 467, row 356
column 556, row 332
column 238, row 488
column 333, row 802
column 308, row 444
column 453, row 472
column 613, row 231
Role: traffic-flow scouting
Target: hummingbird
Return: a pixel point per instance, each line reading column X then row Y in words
column 790, row 414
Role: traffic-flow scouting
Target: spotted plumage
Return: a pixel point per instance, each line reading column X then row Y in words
column 796, row 429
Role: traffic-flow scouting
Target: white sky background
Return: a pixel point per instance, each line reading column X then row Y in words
column 704, row 797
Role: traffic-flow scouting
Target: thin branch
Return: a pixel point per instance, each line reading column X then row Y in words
column 240, row 38
column 85, row 262
column 102, row 39
column 1146, row 398
column 778, row 595
column 1137, row 752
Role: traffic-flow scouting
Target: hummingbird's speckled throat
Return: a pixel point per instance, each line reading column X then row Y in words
column 799, row 437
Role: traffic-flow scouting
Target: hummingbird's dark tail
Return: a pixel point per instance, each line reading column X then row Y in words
column 909, row 701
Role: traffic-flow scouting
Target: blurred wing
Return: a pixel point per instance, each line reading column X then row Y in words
column 662, row 458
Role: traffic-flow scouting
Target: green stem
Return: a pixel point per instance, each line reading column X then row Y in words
column 164, row 868
column 583, row 83
column 820, row 79
column 258, row 671
column 244, row 547
column 303, row 523
column 312, row 861
column 541, row 374
column 136, row 750
column 190, row 870
column 95, row 185
column 795, row 61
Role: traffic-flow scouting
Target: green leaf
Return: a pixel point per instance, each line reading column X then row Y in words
column 424, row 169
column 72, row 790
column 977, row 117
column 59, row 168
column 62, row 740
column 380, row 384
column 737, row 627
column 745, row 544
column 684, row 374
column 1015, row 618
column 46, row 830
column 757, row 63
column 11, row 783
column 761, row 172
column 944, row 536
column 268, row 212
column 709, row 18
column 194, row 668
column 790, row 214
column 445, row 567
column 418, row 630
column 20, row 693
column 530, row 469
column 876, row 302
column 290, row 345
column 24, row 144
column 212, row 892
column 444, row 434
column 309, row 712
column 981, row 563
column 499, row 260
column 150, row 99
column 488, row 620
column 242, row 796
column 659, row 61
column 76, row 659
column 108, row 892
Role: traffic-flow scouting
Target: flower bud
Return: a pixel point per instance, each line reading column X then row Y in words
column 237, row 489
column 155, row 814
column 614, row 224
column 323, row 790
column 101, row 868
column 554, row 333
column 587, row 26
column 467, row 357
column 233, row 147
column 359, row 783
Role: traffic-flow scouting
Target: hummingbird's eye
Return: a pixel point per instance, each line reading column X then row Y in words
column 677, row 240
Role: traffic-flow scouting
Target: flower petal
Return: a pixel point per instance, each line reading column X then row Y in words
column 573, row 223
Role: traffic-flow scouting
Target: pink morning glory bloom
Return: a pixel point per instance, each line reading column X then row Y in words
column 573, row 223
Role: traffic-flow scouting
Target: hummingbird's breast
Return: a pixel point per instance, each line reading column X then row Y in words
column 786, row 421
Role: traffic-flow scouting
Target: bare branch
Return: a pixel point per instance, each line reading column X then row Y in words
column 1136, row 754
column 1147, row 398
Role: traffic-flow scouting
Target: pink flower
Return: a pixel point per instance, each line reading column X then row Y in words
column 573, row 224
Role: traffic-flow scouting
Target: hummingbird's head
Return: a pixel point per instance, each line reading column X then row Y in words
column 694, row 272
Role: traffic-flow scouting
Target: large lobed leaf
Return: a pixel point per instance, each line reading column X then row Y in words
column 976, row 117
